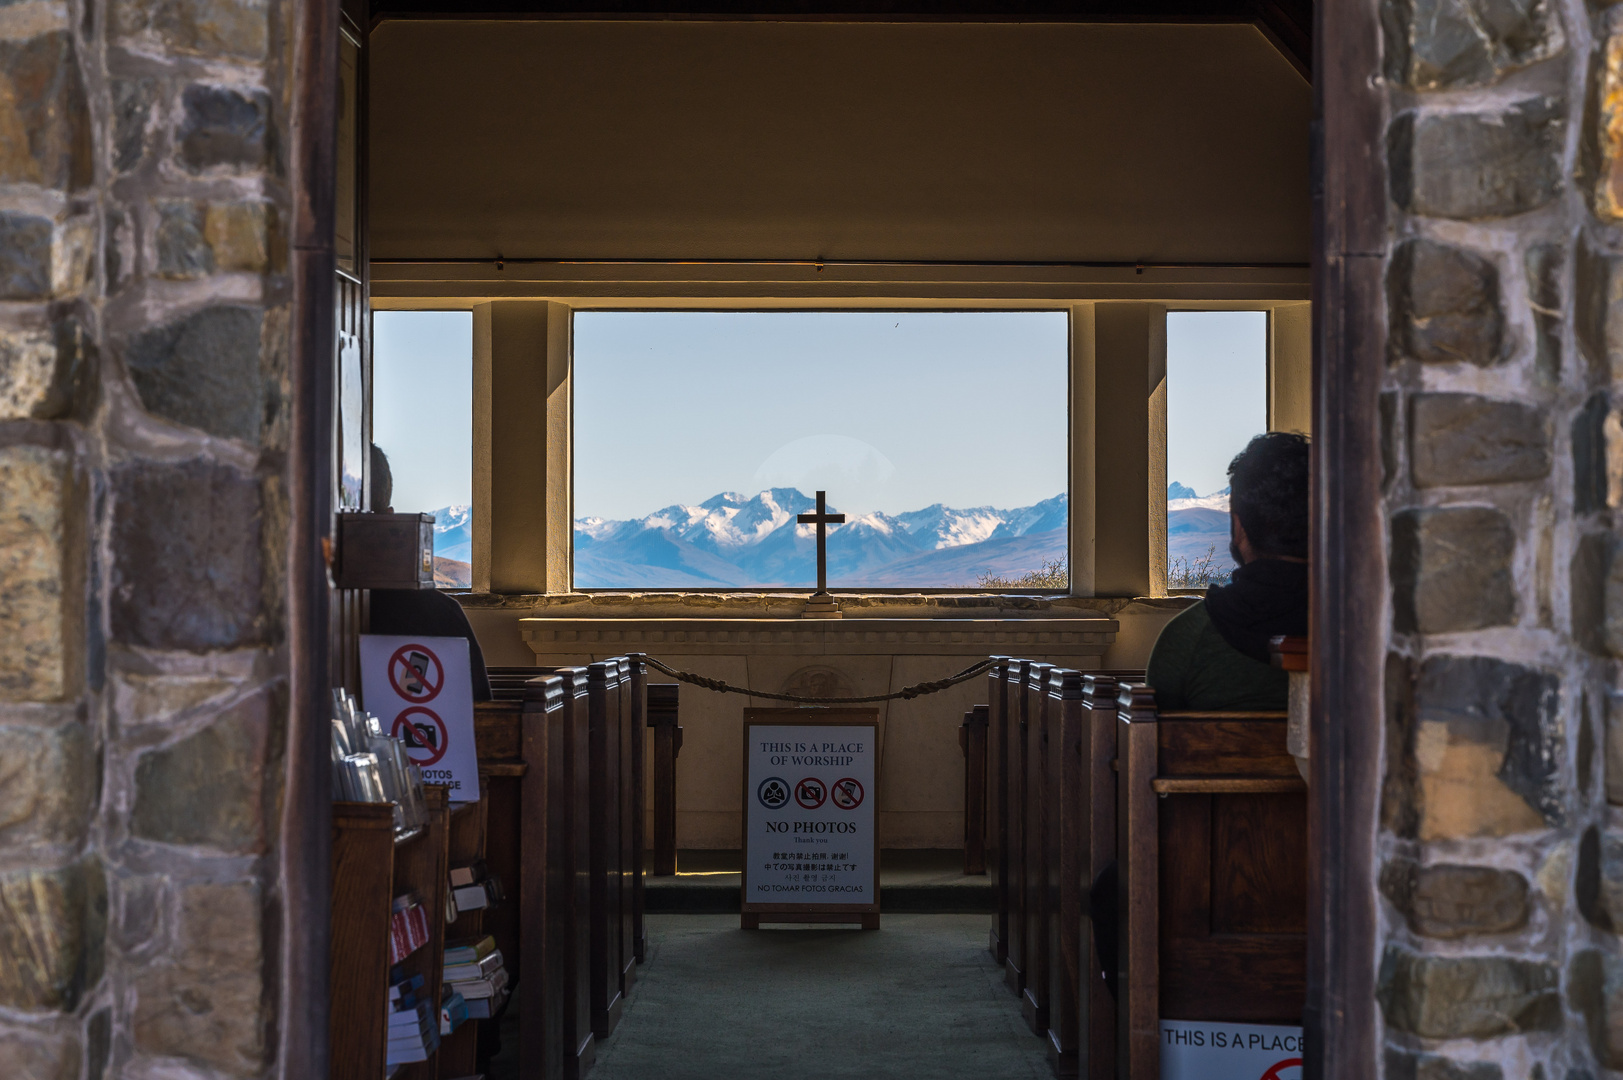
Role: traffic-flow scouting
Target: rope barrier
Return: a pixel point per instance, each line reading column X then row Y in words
column 906, row 693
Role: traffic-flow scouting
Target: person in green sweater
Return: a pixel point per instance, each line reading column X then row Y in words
column 1214, row 654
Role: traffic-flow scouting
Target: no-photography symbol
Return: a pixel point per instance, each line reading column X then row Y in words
column 1278, row 1070
column 416, row 674
column 847, row 793
column 773, row 792
column 810, row 793
column 424, row 733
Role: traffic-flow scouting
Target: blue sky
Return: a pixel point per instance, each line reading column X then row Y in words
column 1217, row 392
column 887, row 411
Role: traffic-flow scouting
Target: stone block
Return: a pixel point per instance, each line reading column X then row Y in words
column 1598, row 305
column 209, row 788
column 1595, row 988
column 1597, row 883
column 1469, row 166
column 1468, row 439
column 1597, row 456
column 1449, row 902
column 41, row 575
column 1613, row 769
column 1444, row 44
column 1401, row 1065
column 1600, row 149
column 225, row 128
column 1597, row 594
column 186, row 557
column 1443, row 303
column 1476, row 997
column 1487, row 748
column 53, row 927
column 41, row 370
column 25, row 256
column 203, row 370
column 1451, row 569
column 98, row 1044
column 1400, row 788
column 206, row 1004
column 47, row 784
column 44, row 119
column 244, row 236
column 213, row 29
column 182, row 251
column 42, row 1055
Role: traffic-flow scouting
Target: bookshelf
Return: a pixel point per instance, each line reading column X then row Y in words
column 370, row 867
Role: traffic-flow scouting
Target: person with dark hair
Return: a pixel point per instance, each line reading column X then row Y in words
column 424, row 612
column 1214, row 654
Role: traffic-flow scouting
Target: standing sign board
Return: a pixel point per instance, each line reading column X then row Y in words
column 1215, row 1050
column 421, row 689
column 810, row 851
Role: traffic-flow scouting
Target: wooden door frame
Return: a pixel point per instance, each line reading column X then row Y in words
column 1349, row 574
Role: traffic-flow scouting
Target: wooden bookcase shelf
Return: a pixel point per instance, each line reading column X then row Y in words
column 370, row 867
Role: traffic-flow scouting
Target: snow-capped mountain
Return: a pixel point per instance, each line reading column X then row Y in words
column 735, row 540
column 452, row 538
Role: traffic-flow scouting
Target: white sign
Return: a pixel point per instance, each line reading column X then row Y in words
column 1214, row 1050
column 421, row 690
column 809, row 812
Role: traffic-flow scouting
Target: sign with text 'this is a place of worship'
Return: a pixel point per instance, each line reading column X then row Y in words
column 809, row 798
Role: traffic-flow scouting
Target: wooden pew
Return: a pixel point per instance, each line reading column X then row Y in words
column 633, row 718
column 603, row 695
column 972, row 740
column 1014, row 816
column 1034, row 715
column 997, row 808
column 1218, row 797
column 1066, row 845
column 1089, row 832
column 663, row 718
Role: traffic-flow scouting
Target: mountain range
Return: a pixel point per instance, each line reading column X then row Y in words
column 735, row 540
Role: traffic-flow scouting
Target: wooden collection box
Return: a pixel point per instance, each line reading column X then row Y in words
column 385, row 551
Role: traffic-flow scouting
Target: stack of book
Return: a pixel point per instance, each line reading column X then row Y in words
column 408, row 927
column 413, row 1033
column 473, row 968
column 453, row 1010
column 473, row 887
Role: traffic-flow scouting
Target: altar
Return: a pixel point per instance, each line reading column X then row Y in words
column 921, row 767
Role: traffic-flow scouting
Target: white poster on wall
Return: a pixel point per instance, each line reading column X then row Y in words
column 422, row 691
column 809, row 809
column 1215, row 1050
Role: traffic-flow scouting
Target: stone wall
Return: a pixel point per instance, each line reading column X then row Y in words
column 1501, row 853
column 143, row 538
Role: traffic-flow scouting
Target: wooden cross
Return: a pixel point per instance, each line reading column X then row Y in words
column 822, row 520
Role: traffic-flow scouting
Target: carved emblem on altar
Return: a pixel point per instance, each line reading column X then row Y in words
column 819, row 680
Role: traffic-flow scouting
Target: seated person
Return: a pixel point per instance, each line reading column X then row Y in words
column 420, row 612
column 1214, row 655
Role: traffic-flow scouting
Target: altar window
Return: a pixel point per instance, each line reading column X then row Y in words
column 422, row 419
column 1217, row 401
column 701, row 436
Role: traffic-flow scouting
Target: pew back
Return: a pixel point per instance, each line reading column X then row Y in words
column 1212, row 847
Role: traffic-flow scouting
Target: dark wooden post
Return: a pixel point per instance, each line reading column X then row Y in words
column 1034, row 995
column 997, row 797
column 630, row 722
column 972, row 737
column 1067, row 849
column 603, row 686
column 573, row 804
column 543, row 864
column 1014, row 967
column 639, row 803
column 663, row 717
column 1138, row 884
column 1096, row 1030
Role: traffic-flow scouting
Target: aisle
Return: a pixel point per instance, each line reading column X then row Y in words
column 919, row 998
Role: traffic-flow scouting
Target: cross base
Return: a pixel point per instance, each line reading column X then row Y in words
column 821, row 605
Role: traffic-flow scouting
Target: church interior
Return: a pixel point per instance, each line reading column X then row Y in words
column 259, row 820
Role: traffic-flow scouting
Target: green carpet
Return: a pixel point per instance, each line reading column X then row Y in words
column 919, row 998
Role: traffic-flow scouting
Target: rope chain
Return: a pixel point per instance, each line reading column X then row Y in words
column 906, row 693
